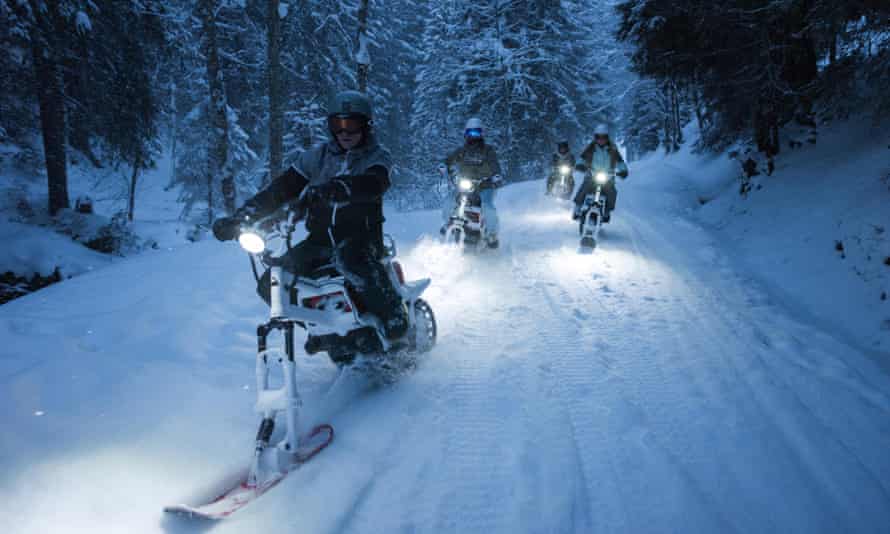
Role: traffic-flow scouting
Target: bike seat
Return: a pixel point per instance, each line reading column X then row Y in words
column 325, row 271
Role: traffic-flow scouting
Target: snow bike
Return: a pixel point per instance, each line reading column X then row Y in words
column 326, row 305
column 466, row 225
column 562, row 186
column 593, row 212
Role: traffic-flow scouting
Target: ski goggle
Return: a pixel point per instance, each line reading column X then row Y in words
column 351, row 125
column 473, row 133
column 604, row 137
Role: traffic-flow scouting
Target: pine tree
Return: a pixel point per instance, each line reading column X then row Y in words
column 46, row 27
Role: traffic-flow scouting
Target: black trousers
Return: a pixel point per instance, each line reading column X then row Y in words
column 609, row 191
column 358, row 261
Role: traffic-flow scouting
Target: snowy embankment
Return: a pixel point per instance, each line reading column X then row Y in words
column 33, row 243
column 816, row 232
column 649, row 387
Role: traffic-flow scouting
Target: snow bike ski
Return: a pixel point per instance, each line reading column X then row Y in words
column 593, row 213
column 326, row 305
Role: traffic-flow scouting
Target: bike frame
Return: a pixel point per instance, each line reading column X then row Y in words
column 594, row 204
column 283, row 317
column 459, row 221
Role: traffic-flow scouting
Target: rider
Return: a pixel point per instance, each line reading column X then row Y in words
column 600, row 156
column 342, row 183
column 477, row 160
column 562, row 156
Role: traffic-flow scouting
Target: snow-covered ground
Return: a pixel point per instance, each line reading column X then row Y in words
column 650, row 387
column 786, row 233
column 37, row 247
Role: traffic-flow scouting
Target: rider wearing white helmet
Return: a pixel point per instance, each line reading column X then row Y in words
column 478, row 161
column 600, row 155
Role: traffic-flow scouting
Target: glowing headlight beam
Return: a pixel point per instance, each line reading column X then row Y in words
column 465, row 184
column 602, row 178
column 564, row 169
column 251, row 242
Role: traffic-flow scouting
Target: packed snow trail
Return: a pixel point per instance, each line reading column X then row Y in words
column 649, row 387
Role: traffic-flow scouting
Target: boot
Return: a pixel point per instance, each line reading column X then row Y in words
column 576, row 213
column 396, row 325
column 492, row 241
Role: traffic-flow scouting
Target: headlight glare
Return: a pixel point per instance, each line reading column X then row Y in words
column 252, row 242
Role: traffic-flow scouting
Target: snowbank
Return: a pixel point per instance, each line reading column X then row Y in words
column 34, row 243
column 815, row 232
column 31, row 249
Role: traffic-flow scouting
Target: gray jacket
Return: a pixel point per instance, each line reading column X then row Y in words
column 364, row 171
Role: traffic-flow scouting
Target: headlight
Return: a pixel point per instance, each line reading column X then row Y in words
column 564, row 169
column 602, row 178
column 465, row 185
column 251, row 242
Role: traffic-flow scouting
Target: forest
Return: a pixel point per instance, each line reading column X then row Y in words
column 234, row 89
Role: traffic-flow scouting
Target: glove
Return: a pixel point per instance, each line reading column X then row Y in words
column 621, row 174
column 226, row 228
column 334, row 191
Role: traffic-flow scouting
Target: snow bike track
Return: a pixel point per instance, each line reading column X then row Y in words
column 648, row 387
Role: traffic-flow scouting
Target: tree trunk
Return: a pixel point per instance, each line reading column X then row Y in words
column 51, row 99
column 219, row 124
column 174, row 133
column 131, row 205
column 362, row 56
column 677, row 120
column 174, row 129
column 276, row 115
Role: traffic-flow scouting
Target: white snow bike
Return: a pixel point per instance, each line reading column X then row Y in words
column 325, row 304
column 593, row 212
column 563, row 186
column 466, row 224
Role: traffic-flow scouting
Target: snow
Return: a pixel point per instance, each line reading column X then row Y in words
column 784, row 233
column 651, row 386
column 283, row 8
column 82, row 22
column 31, row 249
column 363, row 56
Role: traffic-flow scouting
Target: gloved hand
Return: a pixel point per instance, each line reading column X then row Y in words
column 580, row 167
column 226, row 228
column 621, row 174
column 334, row 191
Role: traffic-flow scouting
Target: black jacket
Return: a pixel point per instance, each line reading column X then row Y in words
column 359, row 218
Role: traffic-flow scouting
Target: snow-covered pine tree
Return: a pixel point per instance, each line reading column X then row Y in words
column 521, row 66
column 216, row 163
column 46, row 29
column 752, row 66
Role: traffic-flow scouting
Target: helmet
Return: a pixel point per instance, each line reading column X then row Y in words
column 601, row 129
column 473, row 131
column 351, row 104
